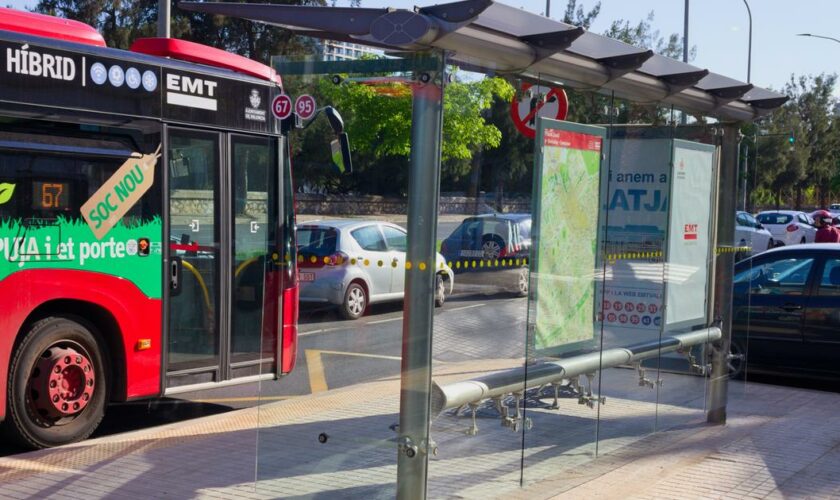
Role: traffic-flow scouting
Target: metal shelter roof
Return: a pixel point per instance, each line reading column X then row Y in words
column 497, row 38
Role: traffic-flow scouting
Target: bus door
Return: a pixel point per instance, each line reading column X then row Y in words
column 223, row 211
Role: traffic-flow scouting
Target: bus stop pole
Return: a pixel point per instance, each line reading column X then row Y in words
column 418, row 313
column 727, row 192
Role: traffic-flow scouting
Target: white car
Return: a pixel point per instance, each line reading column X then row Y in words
column 354, row 263
column 788, row 227
column 750, row 233
column 834, row 208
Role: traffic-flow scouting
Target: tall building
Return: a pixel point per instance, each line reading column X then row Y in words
column 332, row 50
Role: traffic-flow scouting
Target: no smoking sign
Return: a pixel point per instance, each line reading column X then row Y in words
column 534, row 101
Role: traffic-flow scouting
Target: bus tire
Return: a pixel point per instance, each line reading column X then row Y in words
column 58, row 384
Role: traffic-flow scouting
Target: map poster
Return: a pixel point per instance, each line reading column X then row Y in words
column 689, row 234
column 566, row 187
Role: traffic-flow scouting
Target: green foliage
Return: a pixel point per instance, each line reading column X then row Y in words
column 590, row 107
column 804, row 171
column 576, row 15
column 121, row 22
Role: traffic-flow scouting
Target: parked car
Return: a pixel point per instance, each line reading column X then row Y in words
column 786, row 311
column 354, row 263
column 490, row 252
column 834, row 208
column 788, row 227
column 750, row 233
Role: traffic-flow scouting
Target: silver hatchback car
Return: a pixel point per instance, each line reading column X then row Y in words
column 355, row 263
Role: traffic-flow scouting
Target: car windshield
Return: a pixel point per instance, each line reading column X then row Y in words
column 774, row 218
column 316, row 240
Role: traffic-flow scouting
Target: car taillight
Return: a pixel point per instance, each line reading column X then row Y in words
column 791, row 228
column 289, row 330
column 336, row 259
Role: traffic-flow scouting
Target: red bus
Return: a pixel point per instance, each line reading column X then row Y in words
column 146, row 225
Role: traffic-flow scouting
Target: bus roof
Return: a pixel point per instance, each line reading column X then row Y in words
column 202, row 54
column 56, row 28
column 49, row 26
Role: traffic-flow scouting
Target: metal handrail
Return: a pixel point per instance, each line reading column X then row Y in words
column 516, row 380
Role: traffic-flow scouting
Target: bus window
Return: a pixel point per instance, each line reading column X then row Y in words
column 194, row 239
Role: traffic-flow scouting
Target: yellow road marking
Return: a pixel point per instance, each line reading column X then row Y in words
column 315, row 366
column 18, row 465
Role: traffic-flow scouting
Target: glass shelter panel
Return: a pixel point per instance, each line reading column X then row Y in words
column 561, row 390
column 689, row 270
column 341, row 434
column 484, row 236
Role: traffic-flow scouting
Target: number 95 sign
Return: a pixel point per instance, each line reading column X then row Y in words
column 304, row 106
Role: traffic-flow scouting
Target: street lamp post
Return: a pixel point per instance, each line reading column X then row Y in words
column 819, row 36
column 749, row 76
column 749, row 47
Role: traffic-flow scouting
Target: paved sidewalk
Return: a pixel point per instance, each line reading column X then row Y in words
column 778, row 443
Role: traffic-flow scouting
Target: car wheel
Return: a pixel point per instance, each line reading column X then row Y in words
column 737, row 361
column 355, row 302
column 491, row 247
column 522, row 283
column 58, row 384
column 440, row 291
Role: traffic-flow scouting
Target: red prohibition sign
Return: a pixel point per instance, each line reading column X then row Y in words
column 524, row 111
column 281, row 106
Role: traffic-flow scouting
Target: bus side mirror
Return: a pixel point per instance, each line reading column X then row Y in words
column 341, row 153
column 336, row 122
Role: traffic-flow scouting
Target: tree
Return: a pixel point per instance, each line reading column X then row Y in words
column 590, row 107
column 803, row 172
column 121, row 22
column 378, row 121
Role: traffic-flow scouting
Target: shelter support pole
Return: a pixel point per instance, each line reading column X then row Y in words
column 727, row 199
column 418, row 313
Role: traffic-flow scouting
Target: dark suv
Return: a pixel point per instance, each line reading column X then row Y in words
column 490, row 252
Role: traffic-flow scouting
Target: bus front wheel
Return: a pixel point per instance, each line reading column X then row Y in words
column 57, row 384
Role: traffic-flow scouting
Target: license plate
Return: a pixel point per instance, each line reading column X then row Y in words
column 307, row 276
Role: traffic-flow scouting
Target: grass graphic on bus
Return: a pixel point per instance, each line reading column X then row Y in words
column 63, row 243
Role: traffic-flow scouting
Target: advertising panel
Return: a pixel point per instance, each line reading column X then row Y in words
column 690, row 233
column 567, row 185
column 635, row 190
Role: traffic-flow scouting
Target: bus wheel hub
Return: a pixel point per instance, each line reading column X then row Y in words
column 63, row 382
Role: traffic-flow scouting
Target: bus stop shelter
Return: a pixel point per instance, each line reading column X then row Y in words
column 495, row 39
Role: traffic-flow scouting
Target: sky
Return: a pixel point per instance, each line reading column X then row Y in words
column 717, row 28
